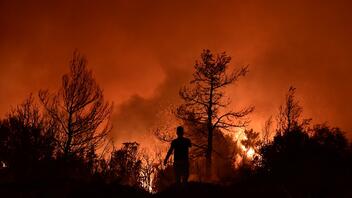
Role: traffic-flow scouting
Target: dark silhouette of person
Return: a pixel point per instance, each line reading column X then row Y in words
column 180, row 147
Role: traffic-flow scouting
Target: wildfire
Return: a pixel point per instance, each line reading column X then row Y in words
column 246, row 153
column 152, row 155
column 250, row 153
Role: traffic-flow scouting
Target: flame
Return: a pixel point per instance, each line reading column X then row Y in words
column 250, row 153
column 3, row 164
column 151, row 157
column 246, row 153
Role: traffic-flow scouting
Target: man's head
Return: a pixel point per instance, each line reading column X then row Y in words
column 179, row 131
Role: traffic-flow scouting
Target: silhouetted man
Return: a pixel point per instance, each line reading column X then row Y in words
column 180, row 146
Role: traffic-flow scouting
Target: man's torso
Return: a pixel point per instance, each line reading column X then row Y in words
column 181, row 147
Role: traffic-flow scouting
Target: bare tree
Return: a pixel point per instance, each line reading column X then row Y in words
column 289, row 116
column 205, row 100
column 267, row 130
column 79, row 109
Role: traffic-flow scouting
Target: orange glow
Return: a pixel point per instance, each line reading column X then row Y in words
column 142, row 52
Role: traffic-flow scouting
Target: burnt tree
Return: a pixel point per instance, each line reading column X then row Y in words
column 289, row 116
column 205, row 101
column 79, row 109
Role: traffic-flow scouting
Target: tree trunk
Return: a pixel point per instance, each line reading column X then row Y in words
column 67, row 148
column 208, row 157
column 208, row 169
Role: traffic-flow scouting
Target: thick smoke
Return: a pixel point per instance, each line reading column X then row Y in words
column 136, row 118
column 142, row 52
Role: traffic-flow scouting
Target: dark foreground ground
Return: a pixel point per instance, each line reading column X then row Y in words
column 196, row 190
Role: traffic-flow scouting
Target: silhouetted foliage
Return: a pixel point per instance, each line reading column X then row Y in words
column 125, row 164
column 305, row 165
column 306, row 162
column 27, row 139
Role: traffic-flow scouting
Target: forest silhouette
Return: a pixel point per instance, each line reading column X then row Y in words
column 58, row 144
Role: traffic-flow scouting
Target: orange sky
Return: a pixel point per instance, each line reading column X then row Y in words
column 142, row 51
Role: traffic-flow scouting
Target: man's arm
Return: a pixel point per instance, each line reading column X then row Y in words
column 168, row 154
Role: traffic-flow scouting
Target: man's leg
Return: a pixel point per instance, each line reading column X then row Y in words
column 186, row 173
column 177, row 174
